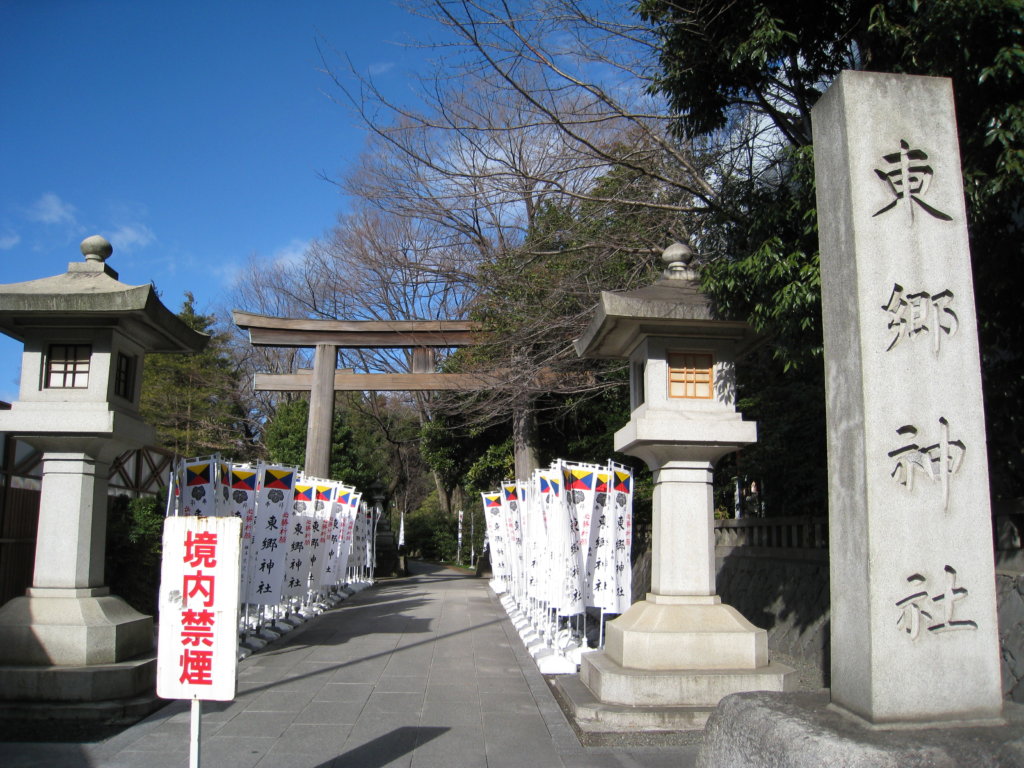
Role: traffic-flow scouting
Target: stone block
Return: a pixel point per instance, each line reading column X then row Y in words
column 592, row 716
column 613, row 684
column 658, row 636
column 802, row 731
column 98, row 682
column 72, row 631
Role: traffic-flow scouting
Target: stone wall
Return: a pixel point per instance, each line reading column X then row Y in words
column 789, row 597
column 1010, row 604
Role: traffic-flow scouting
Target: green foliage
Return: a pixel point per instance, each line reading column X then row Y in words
column 495, row 464
column 768, row 270
column 192, row 400
column 433, row 534
column 732, row 69
column 718, row 60
column 134, row 545
column 358, row 453
column 284, row 437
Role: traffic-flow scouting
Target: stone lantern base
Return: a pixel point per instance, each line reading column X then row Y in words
column 667, row 663
column 67, row 645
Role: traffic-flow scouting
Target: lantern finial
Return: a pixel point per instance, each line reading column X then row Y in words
column 677, row 259
column 96, row 248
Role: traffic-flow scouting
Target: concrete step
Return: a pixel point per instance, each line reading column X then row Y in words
column 599, row 724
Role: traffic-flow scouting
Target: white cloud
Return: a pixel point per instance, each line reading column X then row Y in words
column 9, row 240
column 290, row 254
column 128, row 237
column 50, row 209
column 380, row 68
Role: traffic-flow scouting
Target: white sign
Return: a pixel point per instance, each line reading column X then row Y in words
column 197, row 654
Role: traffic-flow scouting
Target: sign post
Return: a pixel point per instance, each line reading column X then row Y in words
column 197, row 653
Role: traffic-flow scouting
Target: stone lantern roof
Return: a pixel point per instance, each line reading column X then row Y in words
column 674, row 305
column 90, row 295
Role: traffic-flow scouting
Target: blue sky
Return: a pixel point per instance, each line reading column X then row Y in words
column 192, row 134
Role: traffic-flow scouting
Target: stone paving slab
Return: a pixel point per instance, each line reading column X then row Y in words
column 422, row 672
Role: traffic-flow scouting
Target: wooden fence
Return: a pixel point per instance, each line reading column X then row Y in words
column 134, row 473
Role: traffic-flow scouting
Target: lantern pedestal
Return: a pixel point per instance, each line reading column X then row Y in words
column 86, row 334
column 68, row 618
column 681, row 650
column 669, row 659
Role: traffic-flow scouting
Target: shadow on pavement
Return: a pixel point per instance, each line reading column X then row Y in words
column 384, row 749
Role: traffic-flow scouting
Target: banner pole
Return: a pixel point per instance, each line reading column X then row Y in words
column 195, row 731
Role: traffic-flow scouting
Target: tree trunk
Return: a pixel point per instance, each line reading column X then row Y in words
column 524, row 438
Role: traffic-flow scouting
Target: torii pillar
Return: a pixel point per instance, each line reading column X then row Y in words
column 321, row 411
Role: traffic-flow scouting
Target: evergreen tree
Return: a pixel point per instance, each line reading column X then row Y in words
column 193, row 400
column 744, row 76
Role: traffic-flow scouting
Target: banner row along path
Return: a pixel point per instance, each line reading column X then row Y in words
column 425, row 671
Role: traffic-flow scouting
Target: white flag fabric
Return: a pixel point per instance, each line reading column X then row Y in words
column 240, row 482
column 270, row 534
column 198, row 496
column 622, row 506
column 580, row 481
column 359, row 557
column 562, row 541
column 601, row 553
column 300, row 523
column 510, row 508
column 496, row 536
column 339, row 545
column 560, row 579
column 320, row 544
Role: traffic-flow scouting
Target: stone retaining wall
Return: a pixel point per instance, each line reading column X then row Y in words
column 789, row 596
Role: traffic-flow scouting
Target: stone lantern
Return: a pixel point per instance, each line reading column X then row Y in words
column 681, row 646
column 85, row 336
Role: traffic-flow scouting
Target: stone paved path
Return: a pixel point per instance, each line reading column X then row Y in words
column 423, row 672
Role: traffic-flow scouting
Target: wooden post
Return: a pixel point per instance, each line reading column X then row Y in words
column 321, row 411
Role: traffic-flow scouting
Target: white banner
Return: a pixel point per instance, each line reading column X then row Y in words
column 239, row 482
column 300, row 523
column 496, row 535
column 270, row 535
column 622, row 506
column 336, row 559
column 197, row 653
column 601, row 575
column 197, row 495
column 320, row 540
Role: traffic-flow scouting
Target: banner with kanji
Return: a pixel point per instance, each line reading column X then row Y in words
column 270, row 534
column 622, row 509
column 239, row 484
column 496, row 535
column 297, row 547
column 320, row 531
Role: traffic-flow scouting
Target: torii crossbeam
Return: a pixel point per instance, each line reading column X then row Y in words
column 327, row 336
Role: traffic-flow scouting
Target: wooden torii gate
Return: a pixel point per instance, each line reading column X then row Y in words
column 326, row 337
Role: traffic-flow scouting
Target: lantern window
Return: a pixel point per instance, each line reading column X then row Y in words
column 124, row 376
column 67, row 366
column 691, row 375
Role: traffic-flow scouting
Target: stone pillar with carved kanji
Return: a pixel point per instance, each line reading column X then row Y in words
column 914, row 631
